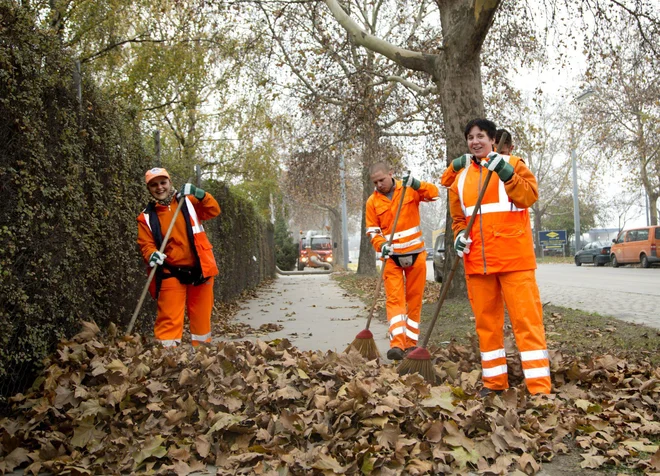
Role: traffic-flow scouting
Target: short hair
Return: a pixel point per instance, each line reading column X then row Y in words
column 380, row 165
column 508, row 140
column 484, row 124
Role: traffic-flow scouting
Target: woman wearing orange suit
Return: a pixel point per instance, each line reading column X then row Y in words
column 499, row 258
column 405, row 258
column 184, row 278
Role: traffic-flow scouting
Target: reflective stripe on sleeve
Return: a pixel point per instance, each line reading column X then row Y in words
column 492, row 355
column 494, row 371
column 533, row 355
column 537, row 372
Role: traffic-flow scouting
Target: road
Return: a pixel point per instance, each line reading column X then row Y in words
column 629, row 294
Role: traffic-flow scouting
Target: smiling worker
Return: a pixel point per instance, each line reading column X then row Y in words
column 187, row 266
column 499, row 258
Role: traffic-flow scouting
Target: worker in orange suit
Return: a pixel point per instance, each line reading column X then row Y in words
column 184, row 278
column 405, row 258
column 499, row 258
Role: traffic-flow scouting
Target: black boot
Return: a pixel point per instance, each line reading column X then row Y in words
column 395, row 354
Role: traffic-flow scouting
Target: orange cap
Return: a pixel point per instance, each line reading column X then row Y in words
column 155, row 172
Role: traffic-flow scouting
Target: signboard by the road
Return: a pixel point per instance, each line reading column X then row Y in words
column 552, row 238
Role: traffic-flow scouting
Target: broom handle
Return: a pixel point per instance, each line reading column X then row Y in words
column 153, row 270
column 382, row 268
column 445, row 284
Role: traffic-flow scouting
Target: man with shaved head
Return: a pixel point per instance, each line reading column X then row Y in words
column 404, row 257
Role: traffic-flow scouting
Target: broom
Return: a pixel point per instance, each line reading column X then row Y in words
column 364, row 342
column 419, row 360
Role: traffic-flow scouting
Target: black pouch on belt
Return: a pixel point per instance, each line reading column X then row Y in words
column 186, row 276
column 405, row 261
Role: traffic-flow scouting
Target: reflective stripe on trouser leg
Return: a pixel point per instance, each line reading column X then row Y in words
column 415, row 283
column 200, row 306
column 395, row 303
column 168, row 328
column 523, row 302
column 485, row 296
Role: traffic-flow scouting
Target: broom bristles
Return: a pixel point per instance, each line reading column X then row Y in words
column 364, row 344
column 418, row 361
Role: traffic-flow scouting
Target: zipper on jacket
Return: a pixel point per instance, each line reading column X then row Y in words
column 481, row 224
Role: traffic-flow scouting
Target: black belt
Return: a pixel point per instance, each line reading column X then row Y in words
column 397, row 257
column 184, row 274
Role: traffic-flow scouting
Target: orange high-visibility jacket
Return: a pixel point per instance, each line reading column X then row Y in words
column 178, row 250
column 380, row 213
column 502, row 239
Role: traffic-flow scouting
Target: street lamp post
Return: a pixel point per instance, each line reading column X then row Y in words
column 344, row 215
column 576, row 204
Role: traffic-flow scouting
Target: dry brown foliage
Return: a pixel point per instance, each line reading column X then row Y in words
column 117, row 404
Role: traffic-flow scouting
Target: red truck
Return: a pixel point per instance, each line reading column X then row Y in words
column 314, row 250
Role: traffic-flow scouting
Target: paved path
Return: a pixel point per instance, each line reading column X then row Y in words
column 316, row 314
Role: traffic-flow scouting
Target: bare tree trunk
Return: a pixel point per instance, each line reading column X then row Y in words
column 367, row 260
column 370, row 155
column 653, row 208
column 537, row 228
column 461, row 100
column 338, row 251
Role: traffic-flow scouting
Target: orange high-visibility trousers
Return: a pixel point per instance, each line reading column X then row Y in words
column 404, row 300
column 173, row 299
column 521, row 295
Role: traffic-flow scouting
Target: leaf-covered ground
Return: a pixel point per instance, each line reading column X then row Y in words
column 108, row 404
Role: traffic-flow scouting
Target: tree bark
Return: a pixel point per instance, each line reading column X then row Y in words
column 335, row 225
column 367, row 260
column 456, row 72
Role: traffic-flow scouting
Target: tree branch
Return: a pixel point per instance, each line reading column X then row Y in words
column 412, row 86
column 410, row 59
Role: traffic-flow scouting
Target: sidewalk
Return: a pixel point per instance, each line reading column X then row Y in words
column 316, row 314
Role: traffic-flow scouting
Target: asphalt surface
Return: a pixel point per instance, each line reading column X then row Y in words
column 627, row 293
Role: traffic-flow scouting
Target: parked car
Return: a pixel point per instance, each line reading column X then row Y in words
column 429, row 253
column 639, row 245
column 596, row 252
column 439, row 257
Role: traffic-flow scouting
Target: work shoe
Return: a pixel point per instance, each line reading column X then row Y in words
column 395, row 354
column 409, row 350
column 484, row 392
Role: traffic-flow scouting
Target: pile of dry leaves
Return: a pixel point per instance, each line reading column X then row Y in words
column 117, row 405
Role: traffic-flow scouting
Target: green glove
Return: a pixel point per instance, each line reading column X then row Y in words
column 461, row 162
column 462, row 244
column 190, row 189
column 410, row 181
column 385, row 251
column 157, row 258
column 498, row 164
